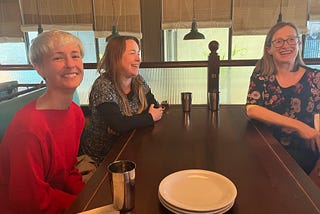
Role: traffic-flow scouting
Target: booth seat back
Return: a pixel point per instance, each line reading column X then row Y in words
column 8, row 108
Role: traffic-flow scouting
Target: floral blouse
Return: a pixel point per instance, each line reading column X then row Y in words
column 300, row 101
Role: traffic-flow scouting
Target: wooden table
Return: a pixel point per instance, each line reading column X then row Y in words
column 268, row 180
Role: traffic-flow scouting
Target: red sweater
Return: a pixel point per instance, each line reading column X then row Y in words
column 37, row 158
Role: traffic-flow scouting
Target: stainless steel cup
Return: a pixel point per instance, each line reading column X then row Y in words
column 186, row 101
column 186, row 120
column 213, row 101
column 123, row 184
column 215, row 119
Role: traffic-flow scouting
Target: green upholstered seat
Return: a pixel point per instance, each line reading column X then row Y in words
column 9, row 107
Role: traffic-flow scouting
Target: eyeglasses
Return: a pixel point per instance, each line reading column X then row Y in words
column 277, row 43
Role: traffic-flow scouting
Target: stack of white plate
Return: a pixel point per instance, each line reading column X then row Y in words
column 197, row 192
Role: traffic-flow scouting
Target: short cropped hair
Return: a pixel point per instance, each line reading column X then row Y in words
column 47, row 41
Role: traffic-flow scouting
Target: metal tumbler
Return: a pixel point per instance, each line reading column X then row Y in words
column 123, row 184
column 186, row 101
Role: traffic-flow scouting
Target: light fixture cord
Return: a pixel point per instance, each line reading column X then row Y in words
column 40, row 29
column 113, row 13
column 280, row 13
column 93, row 15
column 193, row 10
column 120, row 10
column 116, row 18
column 38, row 14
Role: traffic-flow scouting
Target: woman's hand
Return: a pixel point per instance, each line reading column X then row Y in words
column 156, row 113
column 310, row 134
column 270, row 117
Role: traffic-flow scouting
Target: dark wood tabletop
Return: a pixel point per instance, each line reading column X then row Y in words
column 267, row 179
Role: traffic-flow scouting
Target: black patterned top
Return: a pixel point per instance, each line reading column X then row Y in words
column 107, row 111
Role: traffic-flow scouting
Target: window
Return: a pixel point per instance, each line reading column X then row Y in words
column 88, row 41
column 233, row 80
column 177, row 49
column 102, row 46
column 312, row 41
column 13, row 53
column 247, row 47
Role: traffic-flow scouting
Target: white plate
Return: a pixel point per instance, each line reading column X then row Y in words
column 182, row 211
column 197, row 190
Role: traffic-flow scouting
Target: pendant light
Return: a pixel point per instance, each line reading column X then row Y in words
column 115, row 31
column 194, row 33
column 40, row 29
column 280, row 14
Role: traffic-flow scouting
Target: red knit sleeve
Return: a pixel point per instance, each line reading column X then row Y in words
column 29, row 191
column 74, row 183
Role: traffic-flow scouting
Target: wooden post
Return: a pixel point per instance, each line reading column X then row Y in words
column 213, row 67
column 213, row 76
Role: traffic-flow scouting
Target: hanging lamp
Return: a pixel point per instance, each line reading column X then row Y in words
column 280, row 14
column 194, row 33
column 40, row 29
column 114, row 31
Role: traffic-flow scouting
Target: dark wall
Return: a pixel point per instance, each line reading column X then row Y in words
column 151, row 43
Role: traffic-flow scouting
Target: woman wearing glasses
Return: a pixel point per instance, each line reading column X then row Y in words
column 285, row 94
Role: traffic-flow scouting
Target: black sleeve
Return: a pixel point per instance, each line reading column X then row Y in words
column 119, row 123
column 151, row 99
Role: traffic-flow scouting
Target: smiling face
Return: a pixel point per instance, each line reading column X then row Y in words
column 287, row 53
column 130, row 60
column 62, row 67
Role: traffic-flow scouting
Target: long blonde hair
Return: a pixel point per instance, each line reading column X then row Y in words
column 109, row 67
column 266, row 65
